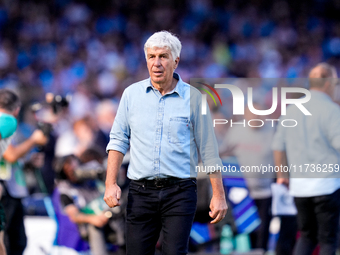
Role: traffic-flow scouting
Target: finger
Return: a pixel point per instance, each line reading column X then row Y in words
column 213, row 214
column 108, row 202
column 119, row 193
column 115, row 202
column 218, row 218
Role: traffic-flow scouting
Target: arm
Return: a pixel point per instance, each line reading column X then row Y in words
column 112, row 190
column 117, row 148
column 77, row 217
column 280, row 159
column 13, row 153
column 218, row 204
column 206, row 142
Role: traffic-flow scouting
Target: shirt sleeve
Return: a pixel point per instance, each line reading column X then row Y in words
column 120, row 131
column 205, row 138
column 65, row 200
column 332, row 124
column 279, row 143
column 8, row 125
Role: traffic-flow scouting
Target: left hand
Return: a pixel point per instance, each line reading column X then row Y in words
column 218, row 208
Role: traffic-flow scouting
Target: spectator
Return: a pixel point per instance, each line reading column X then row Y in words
column 252, row 147
column 15, row 187
column 9, row 109
column 315, row 140
column 75, row 197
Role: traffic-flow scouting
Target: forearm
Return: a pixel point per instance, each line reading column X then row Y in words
column 280, row 159
column 78, row 217
column 13, row 153
column 114, row 163
column 217, row 185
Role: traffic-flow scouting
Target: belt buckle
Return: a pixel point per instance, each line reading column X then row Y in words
column 159, row 183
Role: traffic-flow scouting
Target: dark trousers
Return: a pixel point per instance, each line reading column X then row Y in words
column 15, row 237
column 287, row 236
column 259, row 238
column 152, row 210
column 318, row 221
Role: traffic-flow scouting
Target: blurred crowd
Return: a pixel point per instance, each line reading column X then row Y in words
column 93, row 50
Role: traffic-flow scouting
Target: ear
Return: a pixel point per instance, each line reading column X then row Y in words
column 176, row 62
column 16, row 112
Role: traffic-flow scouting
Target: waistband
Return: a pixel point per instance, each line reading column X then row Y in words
column 161, row 182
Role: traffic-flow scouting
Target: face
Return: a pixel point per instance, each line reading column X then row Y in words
column 161, row 65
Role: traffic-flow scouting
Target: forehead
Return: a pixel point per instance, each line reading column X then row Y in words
column 158, row 50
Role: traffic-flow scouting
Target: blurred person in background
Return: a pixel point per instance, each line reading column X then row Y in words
column 105, row 115
column 9, row 110
column 78, row 139
column 252, row 147
column 16, row 188
column 315, row 140
column 75, row 197
column 162, row 191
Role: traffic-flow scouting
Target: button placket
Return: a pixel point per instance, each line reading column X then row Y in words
column 158, row 136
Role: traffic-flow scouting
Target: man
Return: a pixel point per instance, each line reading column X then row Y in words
column 16, row 189
column 252, row 147
column 79, row 201
column 314, row 141
column 9, row 109
column 161, row 119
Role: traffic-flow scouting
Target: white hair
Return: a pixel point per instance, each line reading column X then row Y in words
column 164, row 39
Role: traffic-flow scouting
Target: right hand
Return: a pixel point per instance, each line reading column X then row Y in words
column 39, row 138
column 284, row 181
column 112, row 195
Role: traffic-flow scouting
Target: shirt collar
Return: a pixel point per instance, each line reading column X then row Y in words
column 178, row 89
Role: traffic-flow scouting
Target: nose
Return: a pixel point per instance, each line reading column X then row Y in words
column 157, row 61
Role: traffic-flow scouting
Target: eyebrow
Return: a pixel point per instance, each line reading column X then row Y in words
column 165, row 54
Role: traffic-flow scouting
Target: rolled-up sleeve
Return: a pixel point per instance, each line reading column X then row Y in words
column 120, row 131
column 205, row 137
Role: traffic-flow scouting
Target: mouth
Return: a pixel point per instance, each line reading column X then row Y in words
column 157, row 73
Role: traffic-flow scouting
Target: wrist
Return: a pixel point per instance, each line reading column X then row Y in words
column 110, row 183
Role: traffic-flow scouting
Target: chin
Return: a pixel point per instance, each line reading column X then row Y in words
column 158, row 79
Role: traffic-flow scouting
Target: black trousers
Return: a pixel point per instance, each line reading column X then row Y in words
column 152, row 210
column 287, row 237
column 318, row 221
column 15, row 237
column 259, row 238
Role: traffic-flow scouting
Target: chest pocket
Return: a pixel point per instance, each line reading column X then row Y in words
column 179, row 130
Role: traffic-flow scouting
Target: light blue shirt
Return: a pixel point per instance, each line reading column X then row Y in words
column 165, row 132
column 314, row 141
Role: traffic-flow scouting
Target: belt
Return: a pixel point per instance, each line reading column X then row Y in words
column 161, row 182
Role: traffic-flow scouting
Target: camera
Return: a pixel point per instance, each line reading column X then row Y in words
column 46, row 128
column 91, row 170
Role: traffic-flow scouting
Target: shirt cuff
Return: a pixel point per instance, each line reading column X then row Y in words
column 116, row 145
column 213, row 165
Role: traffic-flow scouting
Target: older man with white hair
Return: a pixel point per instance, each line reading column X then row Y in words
column 160, row 118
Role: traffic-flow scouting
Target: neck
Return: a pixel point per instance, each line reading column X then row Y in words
column 5, row 111
column 164, row 88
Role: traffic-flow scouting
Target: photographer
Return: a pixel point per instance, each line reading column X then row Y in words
column 16, row 189
column 9, row 109
column 77, row 198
